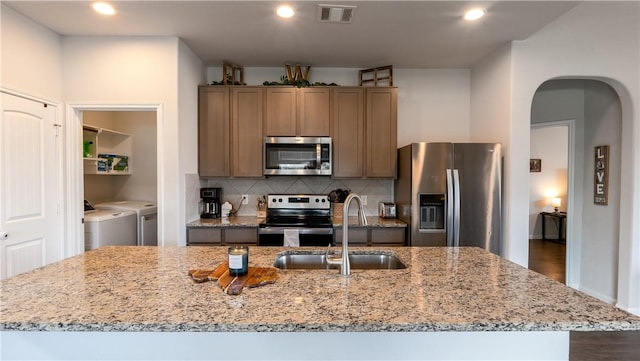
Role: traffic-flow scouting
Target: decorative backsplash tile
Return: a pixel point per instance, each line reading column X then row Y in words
column 376, row 190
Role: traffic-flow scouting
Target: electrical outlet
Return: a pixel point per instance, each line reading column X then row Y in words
column 364, row 200
column 245, row 199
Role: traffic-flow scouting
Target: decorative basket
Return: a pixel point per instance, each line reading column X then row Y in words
column 338, row 209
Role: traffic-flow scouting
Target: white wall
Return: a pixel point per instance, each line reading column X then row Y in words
column 141, row 185
column 598, row 40
column 490, row 122
column 134, row 70
column 31, row 57
column 601, row 232
column 191, row 73
column 550, row 144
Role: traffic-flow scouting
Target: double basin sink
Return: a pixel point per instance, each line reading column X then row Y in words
column 359, row 260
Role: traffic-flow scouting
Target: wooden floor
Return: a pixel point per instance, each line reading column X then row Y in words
column 548, row 258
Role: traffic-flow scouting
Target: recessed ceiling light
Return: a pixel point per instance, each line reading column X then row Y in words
column 103, row 8
column 474, row 14
column 285, row 11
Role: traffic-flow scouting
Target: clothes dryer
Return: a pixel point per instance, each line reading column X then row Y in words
column 147, row 214
column 109, row 228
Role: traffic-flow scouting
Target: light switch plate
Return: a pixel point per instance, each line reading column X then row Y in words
column 245, row 199
column 364, row 200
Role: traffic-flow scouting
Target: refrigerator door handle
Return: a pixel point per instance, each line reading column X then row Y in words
column 449, row 205
column 456, row 212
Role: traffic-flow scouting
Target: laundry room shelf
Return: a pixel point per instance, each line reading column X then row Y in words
column 106, row 151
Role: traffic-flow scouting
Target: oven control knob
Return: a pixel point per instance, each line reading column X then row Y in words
column 280, row 200
column 323, row 200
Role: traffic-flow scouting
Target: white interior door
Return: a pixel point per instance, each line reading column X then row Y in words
column 31, row 221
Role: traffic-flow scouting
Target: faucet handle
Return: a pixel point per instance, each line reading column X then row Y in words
column 331, row 260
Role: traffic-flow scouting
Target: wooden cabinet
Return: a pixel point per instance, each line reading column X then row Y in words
column 372, row 236
column 297, row 112
column 364, row 131
column 347, row 132
column 220, row 236
column 313, row 112
column 280, row 112
column 233, row 121
column 230, row 137
column 381, row 131
column 246, row 128
column 214, row 147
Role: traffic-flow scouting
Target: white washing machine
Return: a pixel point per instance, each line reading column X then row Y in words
column 109, row 228
column 147, row 214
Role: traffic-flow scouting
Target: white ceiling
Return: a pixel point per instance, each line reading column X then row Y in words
column 405, row 34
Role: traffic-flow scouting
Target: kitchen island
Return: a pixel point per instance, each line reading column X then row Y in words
column 140, row 302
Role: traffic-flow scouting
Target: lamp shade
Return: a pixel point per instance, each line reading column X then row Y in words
column 556, row 202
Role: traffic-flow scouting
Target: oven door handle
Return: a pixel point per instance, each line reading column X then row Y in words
column 280, row 230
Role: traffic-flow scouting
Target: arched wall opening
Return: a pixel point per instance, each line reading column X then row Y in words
column 593, row 229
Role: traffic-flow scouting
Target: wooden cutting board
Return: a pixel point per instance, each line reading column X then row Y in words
column 232, row 285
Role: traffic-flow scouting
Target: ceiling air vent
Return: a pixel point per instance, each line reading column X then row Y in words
column 335, row 13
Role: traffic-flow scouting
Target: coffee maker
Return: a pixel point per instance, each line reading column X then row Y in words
column 210, row 202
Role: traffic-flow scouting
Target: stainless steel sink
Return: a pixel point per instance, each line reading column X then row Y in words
column 359, row 260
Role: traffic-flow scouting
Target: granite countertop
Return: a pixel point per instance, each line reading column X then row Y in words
column 235, row 221
column 248, row 221
column 442, row 289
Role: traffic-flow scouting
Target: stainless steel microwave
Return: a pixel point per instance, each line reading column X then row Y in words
column 297, row 156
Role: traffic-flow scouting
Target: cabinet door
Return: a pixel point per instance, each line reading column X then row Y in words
column 347, row 132
column 381, row 130
column 247, row 236
column 387, row 236
column 204, row 236
column 281, row 112
column 213, row 131
column 358, row 236
column 313, row 112
column 247, row 140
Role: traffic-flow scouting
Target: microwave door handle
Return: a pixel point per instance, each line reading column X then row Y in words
column 318, row 155
column 449, row 201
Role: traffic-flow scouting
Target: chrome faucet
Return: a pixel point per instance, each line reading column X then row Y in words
column 343, row 261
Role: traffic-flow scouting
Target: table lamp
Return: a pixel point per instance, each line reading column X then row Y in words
column 555, row 203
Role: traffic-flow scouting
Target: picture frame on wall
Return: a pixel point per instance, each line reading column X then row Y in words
column 535, row 165
column 601, row 175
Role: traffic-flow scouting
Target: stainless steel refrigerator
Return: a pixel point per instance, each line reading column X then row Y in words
column 450, row 194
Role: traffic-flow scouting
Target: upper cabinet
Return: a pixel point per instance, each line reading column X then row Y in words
column 297, row 112
column 381, row 131
column 230, row 123
column 314, row 112
column 364, row 132
column 233, row 121
column 214, row 129
column 246, row 128
column 347, row 132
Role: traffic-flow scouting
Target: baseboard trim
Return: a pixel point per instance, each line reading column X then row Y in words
column 598, row 295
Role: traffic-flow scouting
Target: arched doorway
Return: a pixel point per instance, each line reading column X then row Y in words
column 592, row 229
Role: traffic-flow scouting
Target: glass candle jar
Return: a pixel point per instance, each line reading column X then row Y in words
column 238, row 260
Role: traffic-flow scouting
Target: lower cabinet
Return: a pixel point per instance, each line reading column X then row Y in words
column 368, row 236
column 221, row 236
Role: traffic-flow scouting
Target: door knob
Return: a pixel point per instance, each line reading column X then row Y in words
column 4, row 235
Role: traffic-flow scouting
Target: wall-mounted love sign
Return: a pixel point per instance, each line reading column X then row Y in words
column 601, row 175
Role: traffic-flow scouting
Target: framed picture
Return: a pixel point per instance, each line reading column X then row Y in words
column 535, row 165
column 601, row 175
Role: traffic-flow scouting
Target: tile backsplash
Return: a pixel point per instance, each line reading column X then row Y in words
column 376, row 190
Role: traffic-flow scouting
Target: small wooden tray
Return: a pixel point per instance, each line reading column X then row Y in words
column 232, row 285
